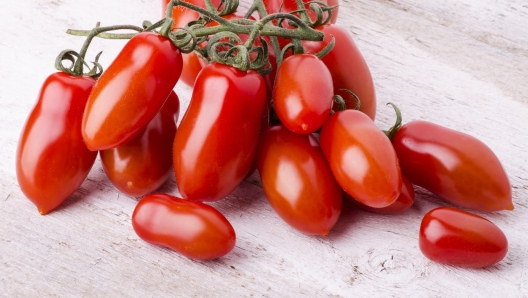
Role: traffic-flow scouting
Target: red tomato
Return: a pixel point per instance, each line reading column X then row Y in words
column 193, row 229
column 402, row 203
column 131, row 91
column 303, row 93
column 455, row 237
column 52, row 160
column 348, row 68
column 273, row 6
column 297, row 181
column 453, row 165
column 142, row 165
column 217, row 137
column 361, row 158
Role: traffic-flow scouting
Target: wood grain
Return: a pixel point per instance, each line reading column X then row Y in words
column 462, row 64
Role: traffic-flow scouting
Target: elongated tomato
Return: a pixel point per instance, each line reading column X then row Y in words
column 298, row 181
column 131, row 91
column 142, row 165
column 52, row 160
column 217, row 137
column 453, row 165
column 361, row 158
column 456, row 237
column 193, row 229
column 303, row 93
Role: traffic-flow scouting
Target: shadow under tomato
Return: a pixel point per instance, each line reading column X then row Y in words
column 94, row 183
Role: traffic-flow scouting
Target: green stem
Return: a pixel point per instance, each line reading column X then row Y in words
column 392, row 131
column 93, row 33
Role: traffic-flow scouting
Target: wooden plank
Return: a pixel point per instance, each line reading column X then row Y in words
column 461, row 64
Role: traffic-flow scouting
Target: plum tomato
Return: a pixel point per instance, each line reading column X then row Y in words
column 303, row 93
column 52, row 160
column 131, row 91
column 348, row 68
column 362, row 158
column 297, row 180
column 217, row 138
column 142, row 165
column 453, row 165
column 456, row 237
column 402, row 203
column 193, row 229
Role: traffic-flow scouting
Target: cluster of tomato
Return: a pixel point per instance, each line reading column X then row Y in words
column 317, row 153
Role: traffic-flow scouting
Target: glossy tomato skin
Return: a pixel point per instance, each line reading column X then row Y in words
column 456, row 237
column 52, row 160
column 361, row 158
column 193, row 229
column 131, row 91
column 218, row 135
column 453, row 165
column 297, row 180
column 348, row 68
column 142, row 165
column 303, row 93
column 404, row 201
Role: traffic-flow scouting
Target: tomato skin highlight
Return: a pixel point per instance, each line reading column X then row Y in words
column 453, row 165
column 303, row 93
column 348, row 68
column 297, row 181
column 456, row 237
column 362, row 158
column 404, row 201
column 131, row 91
column 193, row 229
column 217, row 138
column 52, row 160
column 142, row 165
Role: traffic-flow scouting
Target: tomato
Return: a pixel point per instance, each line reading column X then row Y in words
column 297, row 180
column 362, row 158
column 273, row 6
column 193, row 229
column 455, row 237
column 52, row 160
column 142, row 165
column 402, row 203
column 348, row 68
column 453, row 165
column 217, row 137
column 303, row 93
column 131, row 91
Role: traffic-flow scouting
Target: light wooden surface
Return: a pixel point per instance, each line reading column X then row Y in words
column 462, row 64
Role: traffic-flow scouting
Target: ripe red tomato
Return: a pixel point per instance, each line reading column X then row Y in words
column 303, row 93
column 273, row 6
column 193, row 229
column 348, row 68
column 298, row 181
column 402, row 203
column 361, row 158
column 52, row 160
column 217, row 137
column 455, row 237
column 453, row 165
column 142, row 165
column 131, row 91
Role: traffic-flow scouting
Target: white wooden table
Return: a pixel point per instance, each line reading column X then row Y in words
column 462, row 64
